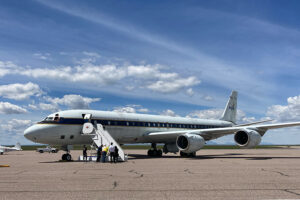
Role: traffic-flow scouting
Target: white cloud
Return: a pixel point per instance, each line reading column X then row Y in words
column 131, row 109
column 73, row 101
column 42, row 56
column 125, row 109
column 169, row 112
column 172, row 86
column 48, row 106
column 146, row 76
column 7, row 68
column 208, row 98
column 8, row 108
column 20, row 91
column 143, row 110
column 91, row 54
column 15, row 125
column 283, row 113
column 217, row 113
column 190, row 92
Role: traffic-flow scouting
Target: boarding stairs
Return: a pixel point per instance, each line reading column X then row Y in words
column 102, row 137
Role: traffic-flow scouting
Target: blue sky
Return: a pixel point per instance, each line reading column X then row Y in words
column 159, row 57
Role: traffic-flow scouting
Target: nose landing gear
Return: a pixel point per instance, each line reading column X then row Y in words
column 66, row 157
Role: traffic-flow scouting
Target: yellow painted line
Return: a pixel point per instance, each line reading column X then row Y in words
column 4, row 166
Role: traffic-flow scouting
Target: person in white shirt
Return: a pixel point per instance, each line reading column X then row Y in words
column 111, row 152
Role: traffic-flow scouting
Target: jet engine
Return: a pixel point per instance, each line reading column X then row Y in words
column 189, row 143
column 247, row 138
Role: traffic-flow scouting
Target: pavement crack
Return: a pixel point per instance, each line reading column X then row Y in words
column 20, row 172
column 291, row 192
column 278, row 172
column 188, row 171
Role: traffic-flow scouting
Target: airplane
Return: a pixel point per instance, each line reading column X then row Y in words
column 187, row 135
column 3, row 149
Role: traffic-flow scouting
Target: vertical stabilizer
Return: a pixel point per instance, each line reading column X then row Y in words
column 230, row 111
column 18, row 147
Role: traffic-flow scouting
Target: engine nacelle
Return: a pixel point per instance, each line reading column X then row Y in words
column 189, row 143
column 247, row 138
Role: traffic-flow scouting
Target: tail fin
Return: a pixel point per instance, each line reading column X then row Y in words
column 230, row 111
column 18, row 147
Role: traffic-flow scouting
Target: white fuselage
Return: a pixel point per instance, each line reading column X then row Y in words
column 64, row 128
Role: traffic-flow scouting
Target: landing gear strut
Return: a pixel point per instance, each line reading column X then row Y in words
column 67, row 156
column 154, row 152
column 182, row 154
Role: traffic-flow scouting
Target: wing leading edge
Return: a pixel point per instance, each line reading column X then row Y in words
column 213, row 133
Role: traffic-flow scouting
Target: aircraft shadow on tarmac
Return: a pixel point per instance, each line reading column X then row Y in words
column 220, row 156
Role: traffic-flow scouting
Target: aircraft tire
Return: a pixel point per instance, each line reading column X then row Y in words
column 150, row 152
column 63, row 157
column 68, row 157
column 159, row 153
column 193, row 154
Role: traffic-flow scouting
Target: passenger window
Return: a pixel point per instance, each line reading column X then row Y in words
column 62, row 137
column 72, row 137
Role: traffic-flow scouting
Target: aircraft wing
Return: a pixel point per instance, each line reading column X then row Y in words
column 214, row 133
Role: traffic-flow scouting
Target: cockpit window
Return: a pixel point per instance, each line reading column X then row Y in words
column 48, row 119
column 56, row 118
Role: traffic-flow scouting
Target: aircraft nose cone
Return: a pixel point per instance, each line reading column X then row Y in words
column 29, row 133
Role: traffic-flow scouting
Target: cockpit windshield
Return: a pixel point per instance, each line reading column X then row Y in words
column 48, row 119
column 52, row 118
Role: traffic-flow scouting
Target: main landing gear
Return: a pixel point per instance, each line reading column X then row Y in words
column 154, row 152
column 67, row 156
column 193, row 154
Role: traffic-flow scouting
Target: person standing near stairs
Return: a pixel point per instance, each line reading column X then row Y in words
column 111, row 152
column 84, row 153
column 99, row 152
column 104, row 153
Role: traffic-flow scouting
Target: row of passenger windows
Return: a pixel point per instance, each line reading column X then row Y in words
column 153, row 124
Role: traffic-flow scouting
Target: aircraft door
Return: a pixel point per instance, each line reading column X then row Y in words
column 87, row 117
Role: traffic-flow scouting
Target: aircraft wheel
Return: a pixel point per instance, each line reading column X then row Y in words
column 182, row 154
column 63, row 157
column 68, row 157
column 150, row 152
column 1, row 153
column 159, row 153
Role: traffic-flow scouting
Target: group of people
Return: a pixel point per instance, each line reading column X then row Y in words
column 103, row 151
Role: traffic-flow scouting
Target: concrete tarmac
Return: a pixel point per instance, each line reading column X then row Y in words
column 213, row 174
